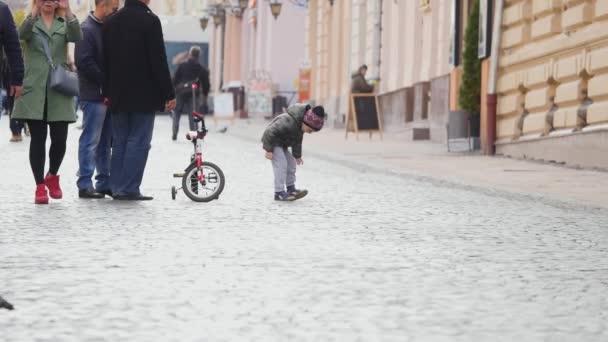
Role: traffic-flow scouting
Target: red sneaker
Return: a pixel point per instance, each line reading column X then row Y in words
column 52, row 182
column 41, row 196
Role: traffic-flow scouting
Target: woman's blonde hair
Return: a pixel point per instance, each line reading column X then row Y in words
column 59, row 12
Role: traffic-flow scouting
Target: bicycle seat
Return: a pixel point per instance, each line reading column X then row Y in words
column 198, row 117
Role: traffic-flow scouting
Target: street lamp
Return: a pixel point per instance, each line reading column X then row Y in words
column 217, row 12
column 243, row 5
column 218, row 19
column 204, row 21
column 275, row 8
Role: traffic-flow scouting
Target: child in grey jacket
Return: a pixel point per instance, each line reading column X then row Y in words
column 285, row 131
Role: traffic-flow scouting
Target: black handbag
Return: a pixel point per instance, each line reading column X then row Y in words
column 61, row 79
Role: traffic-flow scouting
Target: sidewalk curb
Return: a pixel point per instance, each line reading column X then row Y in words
column 445, row 182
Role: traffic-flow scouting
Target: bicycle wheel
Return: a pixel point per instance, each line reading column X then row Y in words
column 205, row 191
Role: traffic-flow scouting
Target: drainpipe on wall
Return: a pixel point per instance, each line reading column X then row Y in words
column 490, row 148
column 377, row 37
column 222, row 52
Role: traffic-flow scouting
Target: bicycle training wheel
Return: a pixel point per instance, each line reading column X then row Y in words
column 208, row 190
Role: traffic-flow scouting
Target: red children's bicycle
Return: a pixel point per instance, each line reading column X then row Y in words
column 202, row 181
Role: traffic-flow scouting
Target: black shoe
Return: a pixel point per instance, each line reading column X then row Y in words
column 298, row 193
column 283, row 197
column 105, row 192
column 133, row 197
column 90, row 193
column 174, row 137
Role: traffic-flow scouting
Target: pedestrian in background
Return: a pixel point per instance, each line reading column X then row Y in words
column 137, row 84
column 358, row 83
column 11, row 65
column 43, row 108
column 187, row 73
column 284, row 132
column 94, row 148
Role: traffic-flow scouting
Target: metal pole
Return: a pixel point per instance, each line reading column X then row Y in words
column 490, row 147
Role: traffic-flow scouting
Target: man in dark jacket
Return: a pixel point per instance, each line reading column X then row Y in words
column 186, row 74
column 359, row 85
column 94, row 147
column 137, row 83
column 11, row 49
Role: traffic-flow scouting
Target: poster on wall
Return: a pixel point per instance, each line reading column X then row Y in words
column 304, row 82
column 223, row 106
column 455, row 34
column 485, row 28
column 259, row 94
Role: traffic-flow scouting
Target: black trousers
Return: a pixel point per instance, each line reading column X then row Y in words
column 183, row 106
column 39, row 130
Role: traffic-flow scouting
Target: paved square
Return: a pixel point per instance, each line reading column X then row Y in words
column 367, row 256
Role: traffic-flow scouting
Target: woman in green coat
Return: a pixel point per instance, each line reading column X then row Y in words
column 43, row 108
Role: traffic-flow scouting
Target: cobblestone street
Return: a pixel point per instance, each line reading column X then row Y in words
column 367, row 256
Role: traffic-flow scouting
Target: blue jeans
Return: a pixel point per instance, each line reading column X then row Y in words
column 94, row 149
column 132, row 135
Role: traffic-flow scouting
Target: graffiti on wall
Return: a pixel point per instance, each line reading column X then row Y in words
column 259, row 94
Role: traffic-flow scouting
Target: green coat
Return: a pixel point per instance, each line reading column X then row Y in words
column 30, row 106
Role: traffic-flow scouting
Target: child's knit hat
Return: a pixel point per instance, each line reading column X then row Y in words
column 315, row 117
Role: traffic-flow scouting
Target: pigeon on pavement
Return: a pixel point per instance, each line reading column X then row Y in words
column 5, row 305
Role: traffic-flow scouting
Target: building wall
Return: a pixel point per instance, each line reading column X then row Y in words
column 258, row 43
column 286, row 52
column 215, row 56
column 415, row 47
column 415, row 43
column 402, row 44
column 233, row 49
column 327, row 36
column 553, row 68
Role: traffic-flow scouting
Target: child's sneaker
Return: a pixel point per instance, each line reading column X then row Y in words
column 283, row 197
column 297, row 194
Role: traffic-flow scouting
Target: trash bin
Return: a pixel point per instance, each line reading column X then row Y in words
column 278, row 104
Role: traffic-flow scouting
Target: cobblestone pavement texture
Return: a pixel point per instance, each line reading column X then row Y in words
column 367, row 256
column 426, row 160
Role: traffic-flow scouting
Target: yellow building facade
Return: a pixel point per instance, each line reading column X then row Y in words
column 553, row 81
column 405, row 45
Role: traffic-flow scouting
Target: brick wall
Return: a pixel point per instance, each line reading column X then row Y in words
column 553, row 68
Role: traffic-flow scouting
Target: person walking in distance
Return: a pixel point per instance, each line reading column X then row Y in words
column 187, row 73
column 94, row 150
column 11, row 64
column 137, row 83
column 43, row 108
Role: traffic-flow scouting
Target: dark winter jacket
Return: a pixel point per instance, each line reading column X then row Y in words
column 286, row 131
column 189, row 71
column 10, row 48
column 359, row 85
column 89, row 60
column 137, row 77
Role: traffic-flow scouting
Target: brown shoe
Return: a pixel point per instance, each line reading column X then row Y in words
column 16, row 138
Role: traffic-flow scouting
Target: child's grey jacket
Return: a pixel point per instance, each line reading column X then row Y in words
column 286, row 130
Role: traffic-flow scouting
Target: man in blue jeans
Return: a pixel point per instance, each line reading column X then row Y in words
column 138, row 84
column 94, row 149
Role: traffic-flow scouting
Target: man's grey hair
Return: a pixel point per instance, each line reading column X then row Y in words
column 195, row 51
